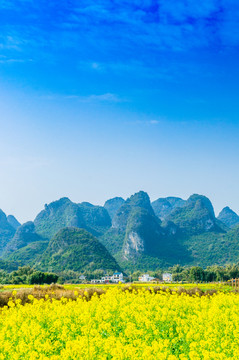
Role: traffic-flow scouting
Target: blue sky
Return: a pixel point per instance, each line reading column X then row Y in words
column 105, row 98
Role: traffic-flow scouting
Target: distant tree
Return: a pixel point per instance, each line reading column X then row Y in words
column 232, row 271
column 197, row 274
column 135, row 276
column 40, row 278
column 210, row 276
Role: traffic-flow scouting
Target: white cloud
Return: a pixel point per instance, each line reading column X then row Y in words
column 12, row 61
column 154, row 122
column 107, row 97
column 96, row 66
column 146, row 122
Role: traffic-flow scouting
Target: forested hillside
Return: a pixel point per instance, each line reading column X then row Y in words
column 133, row 234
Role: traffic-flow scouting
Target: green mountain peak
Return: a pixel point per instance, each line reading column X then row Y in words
column 7, row 231
column 196, row 216
column 78, row 250
column 113, row 205
column 228, row 217
column 164, row 206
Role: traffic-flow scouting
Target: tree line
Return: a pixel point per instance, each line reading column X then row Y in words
column 194, row 273
column 210, row 274
column 28, row 275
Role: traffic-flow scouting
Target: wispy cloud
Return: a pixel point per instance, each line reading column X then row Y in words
column 107, row 97
column 122, row 25
column 154, row 122
column 5, row 60
column 146, row 122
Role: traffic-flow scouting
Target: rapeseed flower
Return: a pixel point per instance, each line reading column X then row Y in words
column 122, row 325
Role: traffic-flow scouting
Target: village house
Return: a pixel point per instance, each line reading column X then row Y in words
column 106, row 279
column 167, row 277
column 97, row 281
column 115, row 278
column 146, row 278
column 82, row 278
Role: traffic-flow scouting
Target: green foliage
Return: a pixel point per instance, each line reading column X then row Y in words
column 40, row 278
column 64, row 213
column 96, row 218
column 199, row 274
column 24, row 235
column 134, row 216
column 140, row 199
column 138, row 239
column 77, row 250
column 56, row 216
column 196, row 216
column 164, row 206
column 113, row 240
column 27, row 275
column 228, row 217
column 113, row 205
column 147, row 226
column 213, row 248
column 6, row 231
column 20, row 276
column 28, row 254
column 8, row 266
column 13, row 222
column 143, row 263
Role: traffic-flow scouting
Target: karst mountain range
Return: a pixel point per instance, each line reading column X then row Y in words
column 128, row 235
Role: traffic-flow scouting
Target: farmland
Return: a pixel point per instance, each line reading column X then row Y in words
column 121, row 323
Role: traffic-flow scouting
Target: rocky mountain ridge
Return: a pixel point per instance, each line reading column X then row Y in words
column 228, row 217
column 75, row 249
column 137, row 233
column 7, row 230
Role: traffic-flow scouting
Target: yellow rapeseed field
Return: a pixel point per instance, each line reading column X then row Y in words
column 122, row 325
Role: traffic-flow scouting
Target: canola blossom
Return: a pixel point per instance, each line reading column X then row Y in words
column 122, row 325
